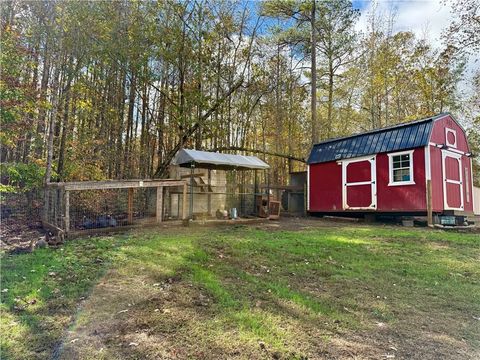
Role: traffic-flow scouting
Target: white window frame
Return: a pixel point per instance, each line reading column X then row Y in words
column 390, row 169
column 452, row 131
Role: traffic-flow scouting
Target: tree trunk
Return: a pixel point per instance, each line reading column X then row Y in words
column 313, row 105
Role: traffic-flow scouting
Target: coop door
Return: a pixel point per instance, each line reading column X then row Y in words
column 359, row 184
column 452, row 180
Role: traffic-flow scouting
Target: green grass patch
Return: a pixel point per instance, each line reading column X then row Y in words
column 40, row 292
column 287, row 289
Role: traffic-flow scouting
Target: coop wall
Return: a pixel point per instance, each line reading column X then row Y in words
column 218, row 190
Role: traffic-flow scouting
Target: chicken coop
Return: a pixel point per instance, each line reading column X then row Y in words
column 220, row 186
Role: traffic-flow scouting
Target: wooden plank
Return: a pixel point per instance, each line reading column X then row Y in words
column 121, row 184
column 279, row 187
column 130, row 206
column 187, row 176
column 110, row 230
column 429, row 203
column 209, row 199
column 54, row 229
column 159, row 210
column 67, row 211
column 185, row 202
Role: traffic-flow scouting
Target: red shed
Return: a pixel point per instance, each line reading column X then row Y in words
column 389, row 170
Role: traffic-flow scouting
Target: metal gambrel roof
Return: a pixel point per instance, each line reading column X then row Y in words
column 206, row 159
column 399, row 137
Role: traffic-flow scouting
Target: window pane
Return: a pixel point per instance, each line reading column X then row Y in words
column 400, row 175
column 397, row 163
column 396, row 175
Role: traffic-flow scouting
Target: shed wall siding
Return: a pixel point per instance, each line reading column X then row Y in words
column 326, row 186
column 438, row 133
column 438, row 136
column 404, row 197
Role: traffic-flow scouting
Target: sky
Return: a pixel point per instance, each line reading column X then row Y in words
column 425, row 18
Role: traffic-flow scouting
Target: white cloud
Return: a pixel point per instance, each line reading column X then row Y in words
column 426, row 19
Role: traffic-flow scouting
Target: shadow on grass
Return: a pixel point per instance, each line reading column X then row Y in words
column 224, row 292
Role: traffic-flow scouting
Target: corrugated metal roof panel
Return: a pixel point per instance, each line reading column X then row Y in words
column 393, row 138
column 206, row 159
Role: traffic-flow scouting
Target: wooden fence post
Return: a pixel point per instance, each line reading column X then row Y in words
column 159, row 211
column 46, row 204
column 184, row 210
column 67, row 211
column 130, row 206
column 209, row 195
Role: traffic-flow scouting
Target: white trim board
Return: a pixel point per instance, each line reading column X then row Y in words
column 451, row 131
column 458, row 157
column 373, row 182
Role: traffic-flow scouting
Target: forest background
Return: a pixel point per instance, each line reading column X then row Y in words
column 93, row 90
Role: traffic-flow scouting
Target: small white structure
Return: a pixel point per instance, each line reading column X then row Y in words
column 476, row 200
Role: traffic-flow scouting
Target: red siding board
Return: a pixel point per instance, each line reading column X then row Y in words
column 438, row 133
column 326, row 187
column 359, row 196
column 403, row 197
column 452, row 169
column 359, row 171
column 453, row 195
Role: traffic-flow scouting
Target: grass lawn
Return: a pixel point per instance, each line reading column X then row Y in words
column 250, row 292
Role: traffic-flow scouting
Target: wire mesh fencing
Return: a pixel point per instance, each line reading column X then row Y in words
column 25, row 207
